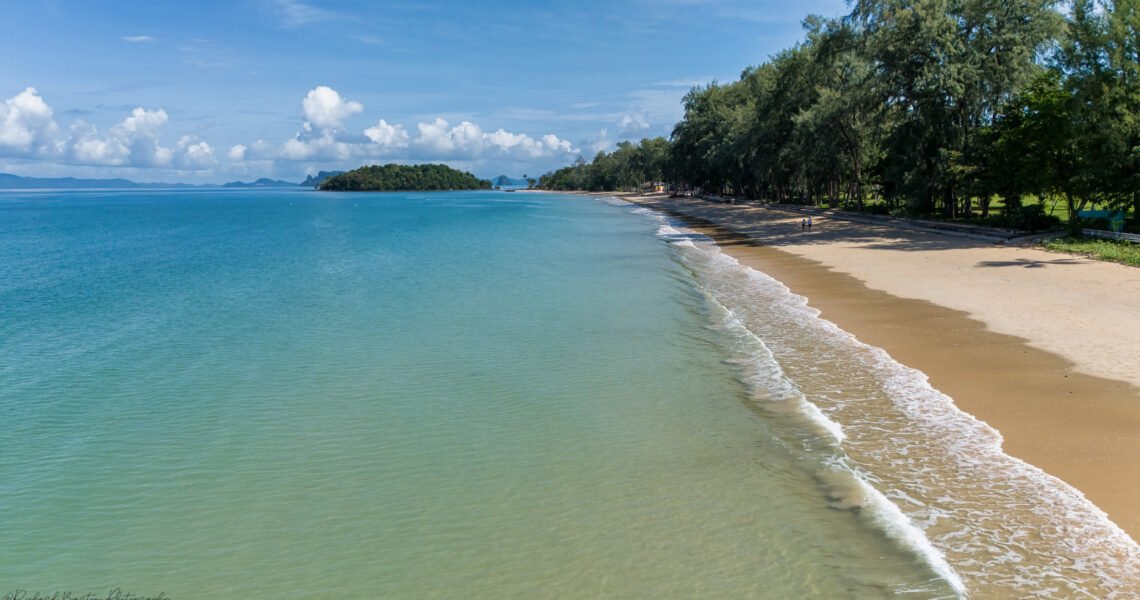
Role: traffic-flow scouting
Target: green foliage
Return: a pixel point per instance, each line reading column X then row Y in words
column 932, row 108
column 392, row 177
column 626, row 168
column 1122, row 252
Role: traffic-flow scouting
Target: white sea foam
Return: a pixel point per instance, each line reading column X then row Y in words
column 763, row 373
column 891, row 518
column 932, row 477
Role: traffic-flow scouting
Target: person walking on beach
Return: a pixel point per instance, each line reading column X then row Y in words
column 803, row 224
column 809, row 223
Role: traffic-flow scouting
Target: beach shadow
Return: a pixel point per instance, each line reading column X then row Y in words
column 1026, row 263
column 766, row 226
column 925, row 241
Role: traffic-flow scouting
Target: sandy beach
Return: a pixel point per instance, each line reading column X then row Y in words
column 1044, row 347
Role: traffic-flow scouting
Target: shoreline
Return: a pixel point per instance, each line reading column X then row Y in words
column 1067, row 413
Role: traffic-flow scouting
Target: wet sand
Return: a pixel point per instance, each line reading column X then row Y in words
column 984, row 322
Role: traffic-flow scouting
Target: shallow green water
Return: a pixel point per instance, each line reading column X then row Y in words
column 457, row 395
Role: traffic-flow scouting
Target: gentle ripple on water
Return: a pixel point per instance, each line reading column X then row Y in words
column 290, row 394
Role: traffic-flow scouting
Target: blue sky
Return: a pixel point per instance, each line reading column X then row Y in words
column 217, row 91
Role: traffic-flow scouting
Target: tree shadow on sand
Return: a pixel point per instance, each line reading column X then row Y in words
column 776, row 228
column 1026, row 263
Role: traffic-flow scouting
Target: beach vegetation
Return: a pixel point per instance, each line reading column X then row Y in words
column 1016, row 114
column 1112, row 250
column 393, row 177
column 627, row 168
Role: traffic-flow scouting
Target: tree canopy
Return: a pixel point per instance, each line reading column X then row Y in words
column 393, row 177
column 627, row 167
column 929, row 106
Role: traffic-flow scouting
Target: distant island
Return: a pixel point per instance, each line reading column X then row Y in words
column 386, row 178
column 17, row 182
column 398, row 178
column 260, row 183
column 504, row 181
column 316, row 181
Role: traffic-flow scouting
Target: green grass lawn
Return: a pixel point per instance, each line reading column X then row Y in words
column 1121, row 252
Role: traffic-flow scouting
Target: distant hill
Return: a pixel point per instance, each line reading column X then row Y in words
column 504, row 181
column 394, row 178
column 260, row 183
column 16, row 182
column 313, row 182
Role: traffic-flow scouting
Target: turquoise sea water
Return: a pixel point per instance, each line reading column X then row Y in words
column 293, row 394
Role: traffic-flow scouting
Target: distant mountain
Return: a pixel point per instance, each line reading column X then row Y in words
column 16, row 182
column 311, row 181
column 260, row 183
column 504, row 181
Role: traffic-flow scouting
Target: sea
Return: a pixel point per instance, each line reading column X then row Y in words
column 282, row 393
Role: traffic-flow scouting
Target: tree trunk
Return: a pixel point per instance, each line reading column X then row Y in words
column 1136, row 210
column 1074, row 222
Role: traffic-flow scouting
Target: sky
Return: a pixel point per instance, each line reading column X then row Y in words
column 207, row 92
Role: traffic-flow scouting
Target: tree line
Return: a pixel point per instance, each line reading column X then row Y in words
column 924, row 106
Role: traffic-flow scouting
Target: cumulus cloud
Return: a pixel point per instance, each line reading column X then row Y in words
column 26, row 122
column 323, row 147
column 139, row 133
column 324, row 108
column 28, row 130
column 192, row 154
column 467, row 141
column 387, row 136
column 87, row 146
column 521, row 146
column 440, row 139
column 633, row 124
column 322, row 138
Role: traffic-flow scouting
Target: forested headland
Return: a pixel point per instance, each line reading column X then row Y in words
column 950, row 108
column 394, row 178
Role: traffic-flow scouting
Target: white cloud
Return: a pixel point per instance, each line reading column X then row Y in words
column 26, row 122
column 28, row 130
column 294, row 13
column 139, row 132
column 324, row 147
column 190, row 154
column 633, row 124
column 661, row 105
column 325, row 108
column 521, row 147
column 437, row 140
column 134, row 39
column 440, row 140
column 387, row 136
column 600, row 143
column 90, row 148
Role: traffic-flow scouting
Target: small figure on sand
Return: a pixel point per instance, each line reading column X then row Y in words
column 803, row 224
column 809, row 223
